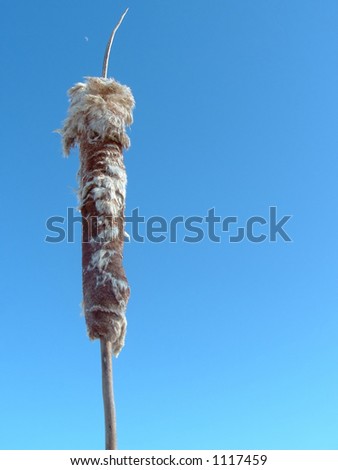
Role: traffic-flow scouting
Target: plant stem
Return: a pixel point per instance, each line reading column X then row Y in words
column 108, row 394
column 110, row 43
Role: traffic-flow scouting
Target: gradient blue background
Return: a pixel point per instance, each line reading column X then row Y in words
column 228, row 345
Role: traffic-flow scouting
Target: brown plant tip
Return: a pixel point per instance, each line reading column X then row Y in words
column 99, row 112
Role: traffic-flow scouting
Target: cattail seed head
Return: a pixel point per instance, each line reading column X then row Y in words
column 100, row 110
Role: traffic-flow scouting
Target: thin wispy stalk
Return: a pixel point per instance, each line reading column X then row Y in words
column 109, row 46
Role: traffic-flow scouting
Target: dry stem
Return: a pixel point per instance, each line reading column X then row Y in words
column 110, row 43
column 108, row 394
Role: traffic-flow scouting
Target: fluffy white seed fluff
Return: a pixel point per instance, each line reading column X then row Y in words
column 101, row 108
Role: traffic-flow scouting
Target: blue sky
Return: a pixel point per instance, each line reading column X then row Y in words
column 229, row 345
